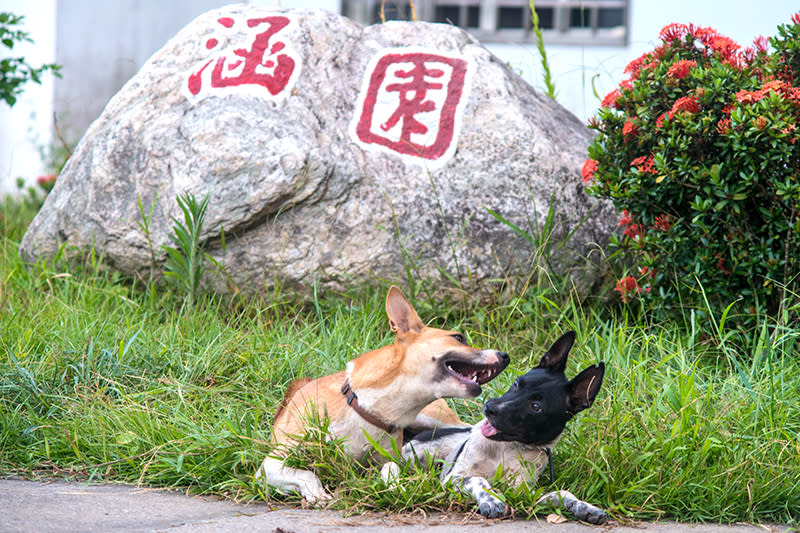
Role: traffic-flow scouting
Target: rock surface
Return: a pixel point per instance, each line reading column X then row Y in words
column 302, row 197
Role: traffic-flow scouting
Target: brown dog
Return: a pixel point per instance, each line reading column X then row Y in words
column 381, row 393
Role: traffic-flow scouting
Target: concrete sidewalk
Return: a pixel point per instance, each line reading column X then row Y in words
column 60, row 506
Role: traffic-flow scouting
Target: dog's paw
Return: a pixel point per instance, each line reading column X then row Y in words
column 582, row 510
column 313, row 492
column 273, row 474
column 491, row 507
column 316, row 497
column 594, row 515
column 587, row 512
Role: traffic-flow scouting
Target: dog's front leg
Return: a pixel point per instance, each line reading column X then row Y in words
column 489, row 505
column 287, row 479
column 581, row 509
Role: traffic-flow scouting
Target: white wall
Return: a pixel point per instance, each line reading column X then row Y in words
column 120, row 37
column 26, row 126
column 573, row 68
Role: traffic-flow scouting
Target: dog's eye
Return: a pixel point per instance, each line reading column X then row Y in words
column 536, row 406
column 460, row 338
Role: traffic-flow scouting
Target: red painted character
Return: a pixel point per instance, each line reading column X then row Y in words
column 265, row 62
column 418, row 94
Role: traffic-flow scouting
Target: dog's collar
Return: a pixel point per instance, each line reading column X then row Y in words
column 352, row 401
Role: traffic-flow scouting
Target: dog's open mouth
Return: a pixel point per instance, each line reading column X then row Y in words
column 491, row 432
column 488, row 429
column 470, row 373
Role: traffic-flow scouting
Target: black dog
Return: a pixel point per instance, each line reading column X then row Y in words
column 516, row 434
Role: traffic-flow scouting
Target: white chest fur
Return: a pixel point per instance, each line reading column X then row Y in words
column 354, row 429
column 482, row 457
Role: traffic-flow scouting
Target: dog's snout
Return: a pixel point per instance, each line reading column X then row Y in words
column 504, row 358
column 490, row 407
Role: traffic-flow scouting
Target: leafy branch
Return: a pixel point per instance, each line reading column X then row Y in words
column 15, row 71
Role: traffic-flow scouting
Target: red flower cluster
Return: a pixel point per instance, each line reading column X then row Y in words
column 588, row 170
column 727, row 48
column 626, row 84
column 673, row 32
column 709, row 40
column 649, row 272
column 629, row 129
column 663, row 222
column 680, row 69
column 627, row 287
column 749, row 97
column 635, row 66
column 723, row 126
column 783, row 89
column 644, row 164
column 761, row 44
column 688, row 104
column 610, row 99
column 632, row 231
column 47, row 182
column 645, row 61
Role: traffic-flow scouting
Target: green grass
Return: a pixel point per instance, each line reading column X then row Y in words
column 106, row 379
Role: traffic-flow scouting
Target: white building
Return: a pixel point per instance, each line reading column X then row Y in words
column 102, row 44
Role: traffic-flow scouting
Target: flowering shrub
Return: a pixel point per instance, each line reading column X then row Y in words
column 698, row 149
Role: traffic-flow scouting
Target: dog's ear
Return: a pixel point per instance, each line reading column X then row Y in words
column 402, row 317
column 556, row 357
column 582, row 390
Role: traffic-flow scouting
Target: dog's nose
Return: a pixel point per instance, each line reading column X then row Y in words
column 503, row 356
column 489, row 409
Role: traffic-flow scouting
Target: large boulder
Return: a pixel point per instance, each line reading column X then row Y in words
column 331, row 153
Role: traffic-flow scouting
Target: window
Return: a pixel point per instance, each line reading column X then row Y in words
column 463, row 14
column 584, row 22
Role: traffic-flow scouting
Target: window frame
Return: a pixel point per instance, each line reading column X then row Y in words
column 562, row 33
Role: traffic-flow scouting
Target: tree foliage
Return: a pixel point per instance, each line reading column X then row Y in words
column 15, row 72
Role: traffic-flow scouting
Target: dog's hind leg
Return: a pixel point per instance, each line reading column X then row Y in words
column 274, row 473
column 581, row 509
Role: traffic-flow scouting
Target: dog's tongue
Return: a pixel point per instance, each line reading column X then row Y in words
column 488, row 430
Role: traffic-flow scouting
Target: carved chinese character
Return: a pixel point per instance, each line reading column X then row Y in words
column 410, row 104
column 259, row 63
